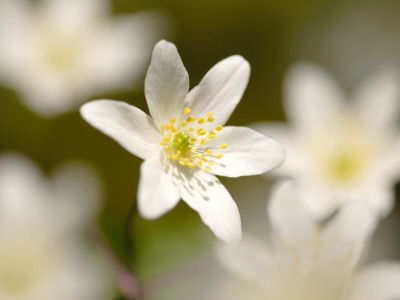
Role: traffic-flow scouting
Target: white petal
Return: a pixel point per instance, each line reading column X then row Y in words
column 166, row 84
column 378, row 99
column 205, row 193
column 248, row 153
column 251, row 259
column 157, row 193
column 380, row 281
column 71, row 14
column 311, row 96
column 294, row 163
column 348, row 233
column 128, row 125
column 220, row 90
column 119, row 54
column 290, row 220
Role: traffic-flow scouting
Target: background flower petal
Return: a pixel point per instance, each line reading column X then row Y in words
column 378, row 281
column 378, row 99
column 311, row 95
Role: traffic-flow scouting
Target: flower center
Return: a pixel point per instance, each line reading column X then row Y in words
column 186, row 142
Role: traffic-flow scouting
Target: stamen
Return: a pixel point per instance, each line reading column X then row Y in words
column 201, row 131
column 185, row 146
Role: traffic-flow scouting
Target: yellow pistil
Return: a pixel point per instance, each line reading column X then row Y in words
column 186, row 146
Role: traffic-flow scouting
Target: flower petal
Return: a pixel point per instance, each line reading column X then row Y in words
column 348, row 233
column 157, row 193
column 220, row 90
column 251, row 260
column 205, row 193
column 128, row 125
column 248, row 153
column 379, row 281
column 166, row 84
column 378, row 99
column 294, row 163
column 311, row 95
column 289, row 217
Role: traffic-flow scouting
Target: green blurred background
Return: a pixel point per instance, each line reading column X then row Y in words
column 348, row 38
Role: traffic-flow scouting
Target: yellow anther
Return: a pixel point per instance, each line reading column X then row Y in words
column 209, row 151
column 207, row 169
column 162, row 143
column 168, row 156
column 162, row 128
column 203, row 141
column 201, row 121
column 219, row 155
column 211, row 163
column 209, row 114
column 218, row 128
column 174, row 129
column 191, row 129
column 172, row 120
column 201, row 131
column 175, row 157
column 193, row 139
column 183, row 124
column 186, row 160
column 169, row 136
column 164, row 139
column 182, row 163
column 168, row 148
column 187, row 110
column 204, row 158
column 198, row 155
column 167, row 126
column 190, row 119
column 200, row 163
column 210, row 119
column 223, row 146
column 212, row 135
column 191, row 165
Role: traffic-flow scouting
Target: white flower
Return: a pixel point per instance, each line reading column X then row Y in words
column 185, row 143
column 307, row 261
column 42, row 256
column 56, row 53
column 340, row 150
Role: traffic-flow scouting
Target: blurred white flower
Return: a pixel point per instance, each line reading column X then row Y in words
column 184, row 143
column 42, row 254
column 307, row 261
column 56, row 53
column 340, row 150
